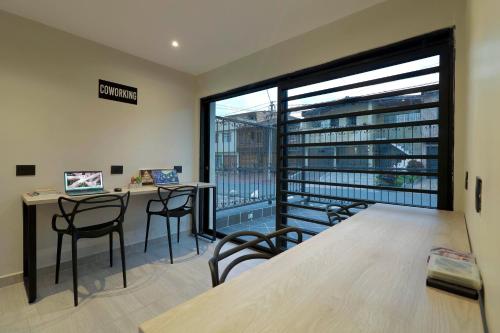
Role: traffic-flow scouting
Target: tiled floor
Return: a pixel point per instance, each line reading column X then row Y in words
column 154, row 286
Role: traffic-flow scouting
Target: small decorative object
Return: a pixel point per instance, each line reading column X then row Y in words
column 135, row 182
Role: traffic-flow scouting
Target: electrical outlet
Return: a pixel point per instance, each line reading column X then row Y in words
column 117, row 169
column 25, row 170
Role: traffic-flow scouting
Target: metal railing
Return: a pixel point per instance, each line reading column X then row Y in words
column 245, row 162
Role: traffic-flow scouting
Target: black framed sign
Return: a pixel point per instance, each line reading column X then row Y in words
column 117, row 92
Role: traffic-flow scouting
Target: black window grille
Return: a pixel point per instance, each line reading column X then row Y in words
column 375, row 129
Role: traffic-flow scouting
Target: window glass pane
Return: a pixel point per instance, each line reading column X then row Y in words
column 371, row 75
column 414, row 82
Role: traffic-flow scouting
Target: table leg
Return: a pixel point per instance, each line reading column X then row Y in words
column 201, row 216
column 29, row 251
column 214, row 211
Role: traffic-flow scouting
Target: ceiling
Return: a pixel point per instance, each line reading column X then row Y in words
column 211, row 33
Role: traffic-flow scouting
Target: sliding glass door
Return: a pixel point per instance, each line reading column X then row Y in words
column 242, row 149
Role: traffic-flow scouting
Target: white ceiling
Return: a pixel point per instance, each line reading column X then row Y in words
column 211, row 33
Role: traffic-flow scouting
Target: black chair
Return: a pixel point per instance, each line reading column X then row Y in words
column 338, row 213
column 176, row 203
column 273, row 250
column 115, row 205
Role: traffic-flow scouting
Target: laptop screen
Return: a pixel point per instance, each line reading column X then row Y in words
column 83, row 180
column 165, row 176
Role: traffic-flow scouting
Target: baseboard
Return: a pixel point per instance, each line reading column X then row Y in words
column 9, row 279
column 14, row 278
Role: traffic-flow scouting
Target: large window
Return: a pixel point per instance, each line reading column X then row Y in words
column 375, row 127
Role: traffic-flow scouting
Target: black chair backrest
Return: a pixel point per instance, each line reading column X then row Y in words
column 337, row 213
column 70, row 207
column 182, row 197
column 273, row 250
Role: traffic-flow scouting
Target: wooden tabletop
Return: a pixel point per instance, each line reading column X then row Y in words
column 367, row 274
column 149, row 189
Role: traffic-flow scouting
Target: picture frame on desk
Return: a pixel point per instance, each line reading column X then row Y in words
column 147, row 176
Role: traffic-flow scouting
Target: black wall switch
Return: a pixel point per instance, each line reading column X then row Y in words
column 117, row 169
column 25, row 170
column 479, row 190
column 178, row 168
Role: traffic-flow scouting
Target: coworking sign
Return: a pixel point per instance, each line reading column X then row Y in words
column 117, row 92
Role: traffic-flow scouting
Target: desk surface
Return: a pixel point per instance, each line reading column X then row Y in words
column 52, row 198
column 366, row 274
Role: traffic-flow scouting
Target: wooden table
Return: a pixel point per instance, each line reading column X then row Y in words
column 366, row 274
column 29, row 225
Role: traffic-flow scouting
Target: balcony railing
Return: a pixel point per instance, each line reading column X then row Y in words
column 244, row 186
column 245, row 167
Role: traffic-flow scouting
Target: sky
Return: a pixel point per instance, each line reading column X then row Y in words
column 261, row 100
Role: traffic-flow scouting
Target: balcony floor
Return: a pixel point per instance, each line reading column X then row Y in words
column 267, row 224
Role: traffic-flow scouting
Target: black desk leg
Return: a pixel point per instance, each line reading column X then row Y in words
column 214, row 212
column 203, row 212
column 29, row 251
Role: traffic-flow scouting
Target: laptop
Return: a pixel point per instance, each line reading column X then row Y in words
column 165, row 177
column 83, row 183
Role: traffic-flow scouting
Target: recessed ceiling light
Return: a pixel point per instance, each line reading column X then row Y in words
column 175, row 43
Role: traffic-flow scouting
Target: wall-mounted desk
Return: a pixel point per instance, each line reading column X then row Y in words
column 29, row 226
column 366, row 274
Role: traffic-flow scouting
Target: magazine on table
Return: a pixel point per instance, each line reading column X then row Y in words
column 453, row 271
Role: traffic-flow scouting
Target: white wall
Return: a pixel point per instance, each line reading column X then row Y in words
column 382, row 24
column 51, row 116
column 483, row 146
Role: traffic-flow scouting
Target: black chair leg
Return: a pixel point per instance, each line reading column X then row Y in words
column 75, row 269
column 122, row 252
column 58, row 259
column 169, row 240
column 147, row 234
column 111, row 249
column 178, row 228
column 195, row 232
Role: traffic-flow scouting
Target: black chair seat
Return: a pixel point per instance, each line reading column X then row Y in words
column 173, row 213
column 105, row 228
